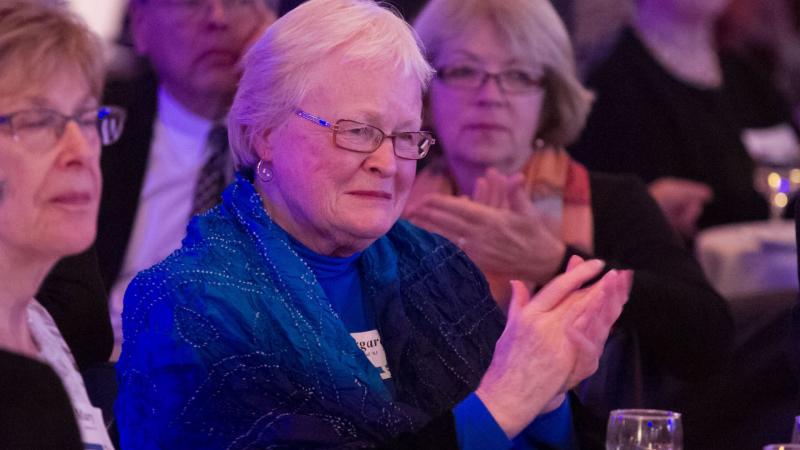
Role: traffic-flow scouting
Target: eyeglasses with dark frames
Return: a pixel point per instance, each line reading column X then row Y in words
column 40, row 129
column 360, row 137
column 511, row 81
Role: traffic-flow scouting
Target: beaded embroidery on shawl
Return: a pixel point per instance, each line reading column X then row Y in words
column 293, row 360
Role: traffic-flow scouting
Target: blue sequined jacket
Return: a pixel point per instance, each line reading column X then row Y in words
column 231, row 343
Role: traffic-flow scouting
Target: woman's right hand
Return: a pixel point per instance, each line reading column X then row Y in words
column 499, row 229
column 551, row 342
column 508, row 193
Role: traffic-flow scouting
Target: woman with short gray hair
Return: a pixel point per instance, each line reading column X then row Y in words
column 300, row 313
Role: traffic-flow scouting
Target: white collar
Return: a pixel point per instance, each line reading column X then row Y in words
column 176, row 117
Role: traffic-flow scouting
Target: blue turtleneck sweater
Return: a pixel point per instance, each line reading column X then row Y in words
column 475, row 427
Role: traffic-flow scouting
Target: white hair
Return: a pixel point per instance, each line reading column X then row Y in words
column 534, row 32
column 280, row 69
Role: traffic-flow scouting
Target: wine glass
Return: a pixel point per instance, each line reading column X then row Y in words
column 644, row 429
column 777, row 183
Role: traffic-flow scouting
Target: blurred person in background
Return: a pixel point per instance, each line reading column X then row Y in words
column 766, row 33
column 52, row 127
column 687, row 119
column 503, row 104
column 172, row 160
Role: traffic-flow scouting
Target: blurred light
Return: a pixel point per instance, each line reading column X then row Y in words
column 781, row 200
column 103, row 17
column 794, row 176
column 774, row 180
column 785, row 185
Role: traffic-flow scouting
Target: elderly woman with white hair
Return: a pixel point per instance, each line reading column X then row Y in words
column 505, row 101
column 299, row 313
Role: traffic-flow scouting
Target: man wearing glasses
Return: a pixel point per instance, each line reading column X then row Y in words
column 172, row 161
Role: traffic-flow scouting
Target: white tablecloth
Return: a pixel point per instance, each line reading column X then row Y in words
column 748, row 259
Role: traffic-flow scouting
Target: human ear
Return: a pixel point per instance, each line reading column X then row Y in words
column 263, row 145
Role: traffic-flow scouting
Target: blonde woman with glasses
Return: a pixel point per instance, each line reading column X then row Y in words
column 504, row 103
column 51, row 131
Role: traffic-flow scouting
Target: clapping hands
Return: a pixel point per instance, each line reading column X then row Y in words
column 551, row 342
column 499, row 228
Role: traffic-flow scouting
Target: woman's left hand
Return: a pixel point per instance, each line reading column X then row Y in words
column 500, row 230
column 551, row 342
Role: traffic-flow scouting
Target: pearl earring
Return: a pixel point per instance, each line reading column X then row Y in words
column 264, row 172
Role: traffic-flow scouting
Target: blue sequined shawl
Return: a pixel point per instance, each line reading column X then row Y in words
column 231, row 343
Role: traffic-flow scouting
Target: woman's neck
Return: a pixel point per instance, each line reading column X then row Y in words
column 20, row 278
column 465, row 176
column 466, row 173
column 685, row 47
column 337, row 245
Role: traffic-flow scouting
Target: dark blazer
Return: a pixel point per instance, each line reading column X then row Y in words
column 73, row 293
column 124, row 165
column 35, row 412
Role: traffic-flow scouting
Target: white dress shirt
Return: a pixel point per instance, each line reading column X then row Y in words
column 177, row 155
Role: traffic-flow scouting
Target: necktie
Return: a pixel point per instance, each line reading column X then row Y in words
column 213, row 176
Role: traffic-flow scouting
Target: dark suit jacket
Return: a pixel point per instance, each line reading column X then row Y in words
column 73, row 293
column 124, row 165
column 35, row 412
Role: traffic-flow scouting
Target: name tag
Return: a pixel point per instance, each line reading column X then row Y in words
column 773, row 145
column 370, row 343
column 93, row 428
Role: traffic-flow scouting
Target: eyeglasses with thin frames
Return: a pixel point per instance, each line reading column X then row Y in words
column 510, row 81
column 40, row 129
column 363, row 138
